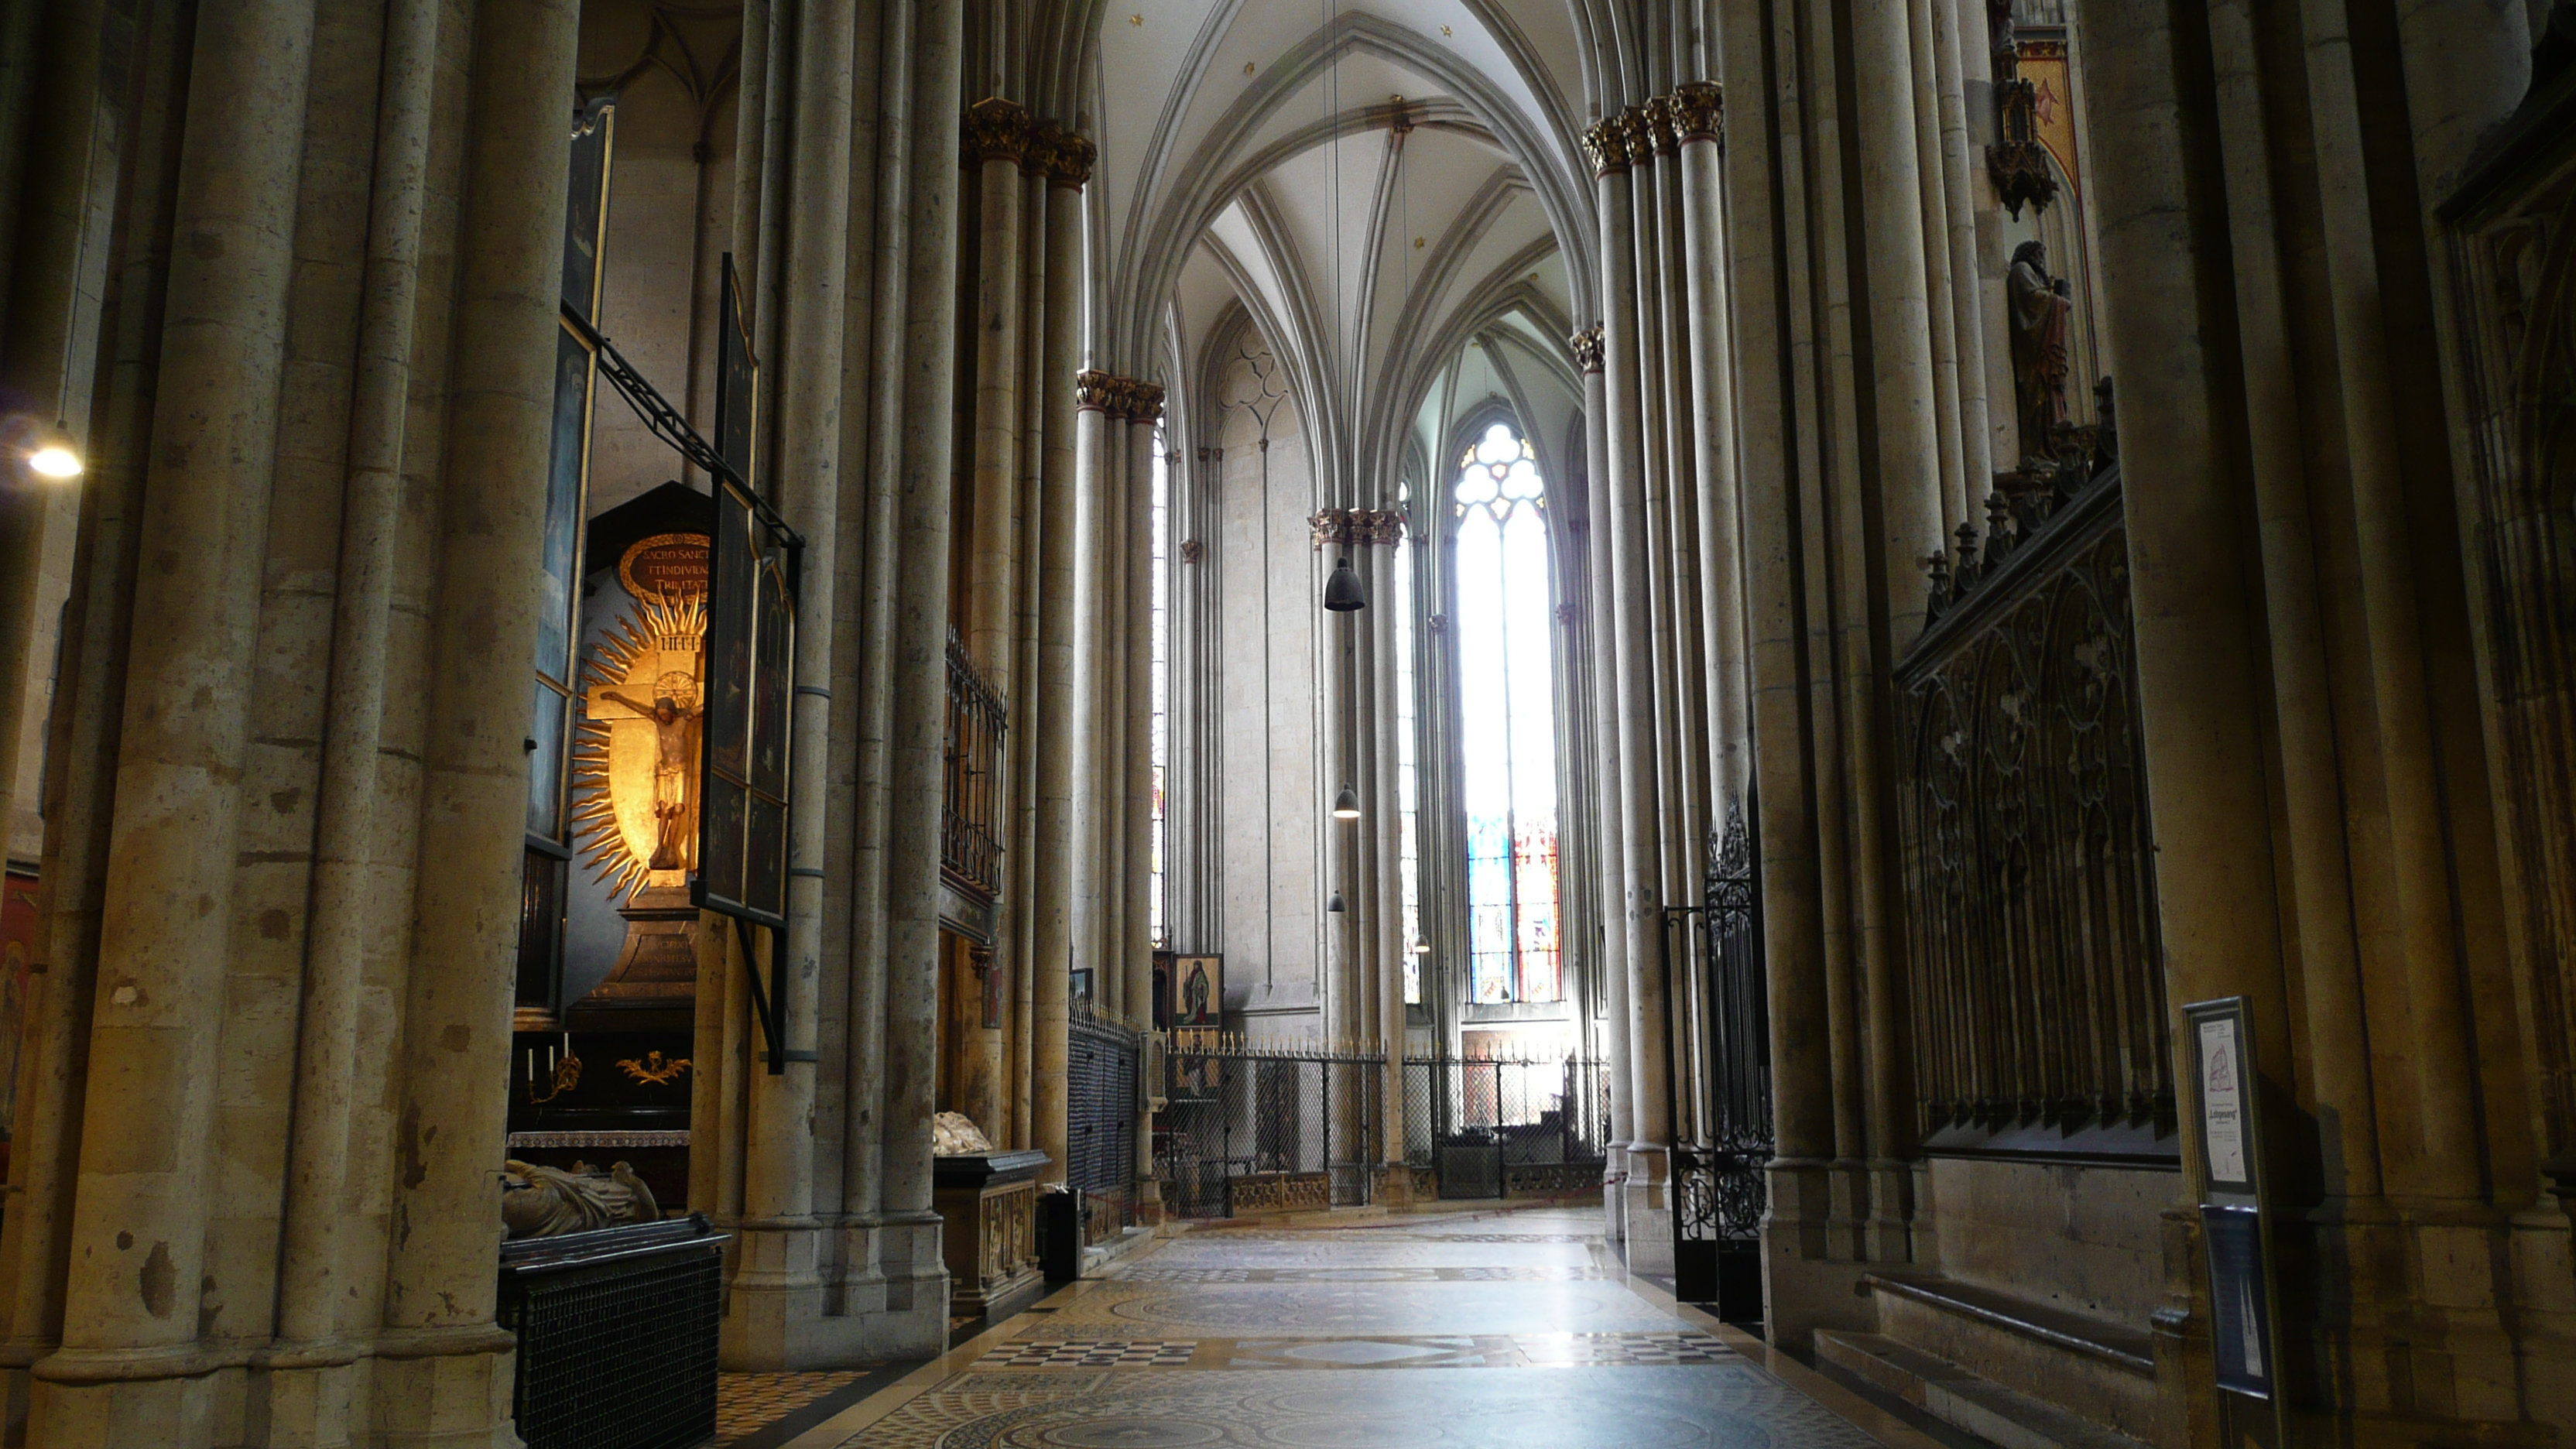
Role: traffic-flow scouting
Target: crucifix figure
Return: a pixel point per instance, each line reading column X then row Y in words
column 678, row 718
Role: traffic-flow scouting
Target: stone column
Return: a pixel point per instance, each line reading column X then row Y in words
column 877, row 575
column 2312, row 793
column 775, row 1288
column 1699, row 120
column 1656, row 558
column 1909, row 489
column 1340, row 984
column 916, row 1278
column 1067, row 430
column 1020, row 954
column 1603, row 668
column 2406, row 748
column 2198, row 704
column 1394, row 948
column 348, row 916
column 82, row 745
column 1682, row 697
column 1959, row 223
column 997, row 137
column 450, row 1364
column 146, row 1169
column 1135, row 954
column 1099, row 725
column 1961, row 493
column 1101, row 419
column 1649, row 1106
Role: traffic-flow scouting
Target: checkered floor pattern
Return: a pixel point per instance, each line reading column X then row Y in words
column 1092, row 1353
column 1624, row 1348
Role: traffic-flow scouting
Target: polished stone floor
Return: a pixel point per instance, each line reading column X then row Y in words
column 1493, row 1330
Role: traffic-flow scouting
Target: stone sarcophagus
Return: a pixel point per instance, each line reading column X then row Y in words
column 989, row 1200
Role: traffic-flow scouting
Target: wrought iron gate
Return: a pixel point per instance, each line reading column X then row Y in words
column 1100, row 1109
column 1494, row 1127
column 1723, row 1123
column 1265, row 1126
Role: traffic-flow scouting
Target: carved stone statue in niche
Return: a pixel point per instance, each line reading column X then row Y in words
column 2041, row 310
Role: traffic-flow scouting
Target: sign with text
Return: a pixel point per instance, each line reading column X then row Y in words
column 2227, row 1098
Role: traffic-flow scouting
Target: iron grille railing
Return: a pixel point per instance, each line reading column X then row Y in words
column 1492, row 1127
column 2037, row 982
column 617, row 1335
column 1101, row 1057
column 970, row 823
column 1723, row 1119
column 1250, row 1126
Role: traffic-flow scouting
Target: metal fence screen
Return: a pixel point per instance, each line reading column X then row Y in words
column 1268, row 1126
column 617, row 1335
column 1100, row 1108
column 1518, row 1126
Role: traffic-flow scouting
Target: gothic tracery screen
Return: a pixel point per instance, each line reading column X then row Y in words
column 1507, row 721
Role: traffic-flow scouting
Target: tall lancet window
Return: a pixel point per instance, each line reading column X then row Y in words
column 1507, row 721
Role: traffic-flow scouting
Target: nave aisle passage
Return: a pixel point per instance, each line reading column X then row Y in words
column 1497, row 1330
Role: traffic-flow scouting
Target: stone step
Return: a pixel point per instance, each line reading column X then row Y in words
column 1973, row 1405
column 2101, row 1369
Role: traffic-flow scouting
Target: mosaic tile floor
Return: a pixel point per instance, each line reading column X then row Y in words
column 1402, row 1332
column 747, row 1403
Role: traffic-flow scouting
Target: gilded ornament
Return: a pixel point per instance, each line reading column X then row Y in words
column 1092, row 390
column 995, row 130
column 1603, row 143
column 1660, row 131
column 1637, row 135
column 1587, row 348
column 1699, row 112
column 653, row 1070
column 1074, row 158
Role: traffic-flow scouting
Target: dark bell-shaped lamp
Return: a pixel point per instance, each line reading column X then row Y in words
column 1342, row 591
column 1335, row 904
column 1346, row 805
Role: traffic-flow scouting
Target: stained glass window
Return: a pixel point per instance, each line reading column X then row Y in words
column 1507, row 723
column 1157, row 920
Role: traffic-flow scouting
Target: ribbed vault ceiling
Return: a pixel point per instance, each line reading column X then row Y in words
column 1378, row 186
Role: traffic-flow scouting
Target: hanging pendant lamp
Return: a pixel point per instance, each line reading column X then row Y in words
column 1346, row 805
column 1335, row 904
column 1342, row 591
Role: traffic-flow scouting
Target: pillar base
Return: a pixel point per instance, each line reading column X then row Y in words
column 788, row 1310
column 1810, row 1269
column 1646, row 1209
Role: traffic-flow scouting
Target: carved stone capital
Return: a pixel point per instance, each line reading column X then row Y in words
column 1074, row 158
column 1331, row 525
column 1044, row 138
column 1193, row 551
column 1144, row 402
column 1658, row 111
column 1587, row 348
column 1377, row 525
column 995, row 130
column 1094, row 391
column 1608, row 148
column 1699, row 112
column 1638, row 136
